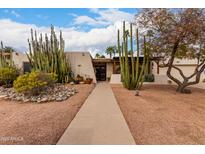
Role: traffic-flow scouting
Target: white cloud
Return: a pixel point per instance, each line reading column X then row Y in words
column 89, row 21
column 15, row 13
column 40, row 16
column 6, row 11
column 73, row 14
column 96, row 40
column 113, row 15
column 105, row 17
column 12, row 12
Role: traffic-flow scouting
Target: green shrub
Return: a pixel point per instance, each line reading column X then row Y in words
column 34, row 83
column 149, row 78
column 7, row 76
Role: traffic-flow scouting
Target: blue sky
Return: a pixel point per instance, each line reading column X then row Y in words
column 84, row 29
column 45, row 17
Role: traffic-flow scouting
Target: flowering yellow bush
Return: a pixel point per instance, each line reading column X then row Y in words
column 8, row 75
column 34, row 83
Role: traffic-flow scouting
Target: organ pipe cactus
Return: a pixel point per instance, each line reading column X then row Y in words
column 4, row 61
column 132, row 73
column 48, row 55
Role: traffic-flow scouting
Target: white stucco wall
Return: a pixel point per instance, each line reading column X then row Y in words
column 81, row 63
column 109, row 70
column 19, row 58
column 115, row 79
column 187, row 66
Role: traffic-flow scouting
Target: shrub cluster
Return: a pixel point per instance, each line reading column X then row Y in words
column 149, row 78
column 7, row 76
column 34, row 83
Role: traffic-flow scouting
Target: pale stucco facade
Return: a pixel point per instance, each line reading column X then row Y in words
column 186, row 65
column 19, row 59
column 81, row 63
column 109, row 69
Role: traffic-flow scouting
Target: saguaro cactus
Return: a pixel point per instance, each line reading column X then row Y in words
column 132, row 73
column 48, row 55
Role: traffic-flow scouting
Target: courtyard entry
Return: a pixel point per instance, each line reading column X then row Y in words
column 100, row 71
column 103, row 68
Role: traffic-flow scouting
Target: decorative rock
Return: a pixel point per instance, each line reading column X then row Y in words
column 45, row 99
column 18, row 98
column 3, row 96
column 59, row 99
column 33, row 99
column 64, row 98
column 72, row 83
column 39, row 100
column 58, row 92
column 72, row 93
column 137, row 92
column 25, row 100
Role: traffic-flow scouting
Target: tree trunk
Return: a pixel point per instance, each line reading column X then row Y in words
column 182, row 88
column 183, row 85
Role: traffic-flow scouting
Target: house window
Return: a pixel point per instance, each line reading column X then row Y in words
column 26, row 67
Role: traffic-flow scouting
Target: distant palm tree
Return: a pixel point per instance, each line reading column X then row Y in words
column 97, row 55
column 102, row 56
column 111, row 50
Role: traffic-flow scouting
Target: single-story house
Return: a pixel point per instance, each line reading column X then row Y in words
column 103, row 69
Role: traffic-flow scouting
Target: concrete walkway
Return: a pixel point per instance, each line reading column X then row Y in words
column 99, row 121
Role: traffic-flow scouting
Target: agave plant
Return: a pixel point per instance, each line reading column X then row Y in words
column 132, row 75
column 47, row 55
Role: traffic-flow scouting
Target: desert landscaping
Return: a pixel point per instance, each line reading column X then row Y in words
column 160, row 115
column 147, row 87
column 42, row 123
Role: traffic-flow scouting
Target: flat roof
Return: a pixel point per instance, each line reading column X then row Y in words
column 77, row 52
column 102, row 60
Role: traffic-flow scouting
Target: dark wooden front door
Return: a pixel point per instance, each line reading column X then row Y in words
column 100, row 72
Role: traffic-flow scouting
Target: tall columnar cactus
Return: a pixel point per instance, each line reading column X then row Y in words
column 4, row 61
column 48, row 55
column 132, row 73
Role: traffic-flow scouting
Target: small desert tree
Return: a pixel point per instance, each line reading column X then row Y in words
column 176, row 33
